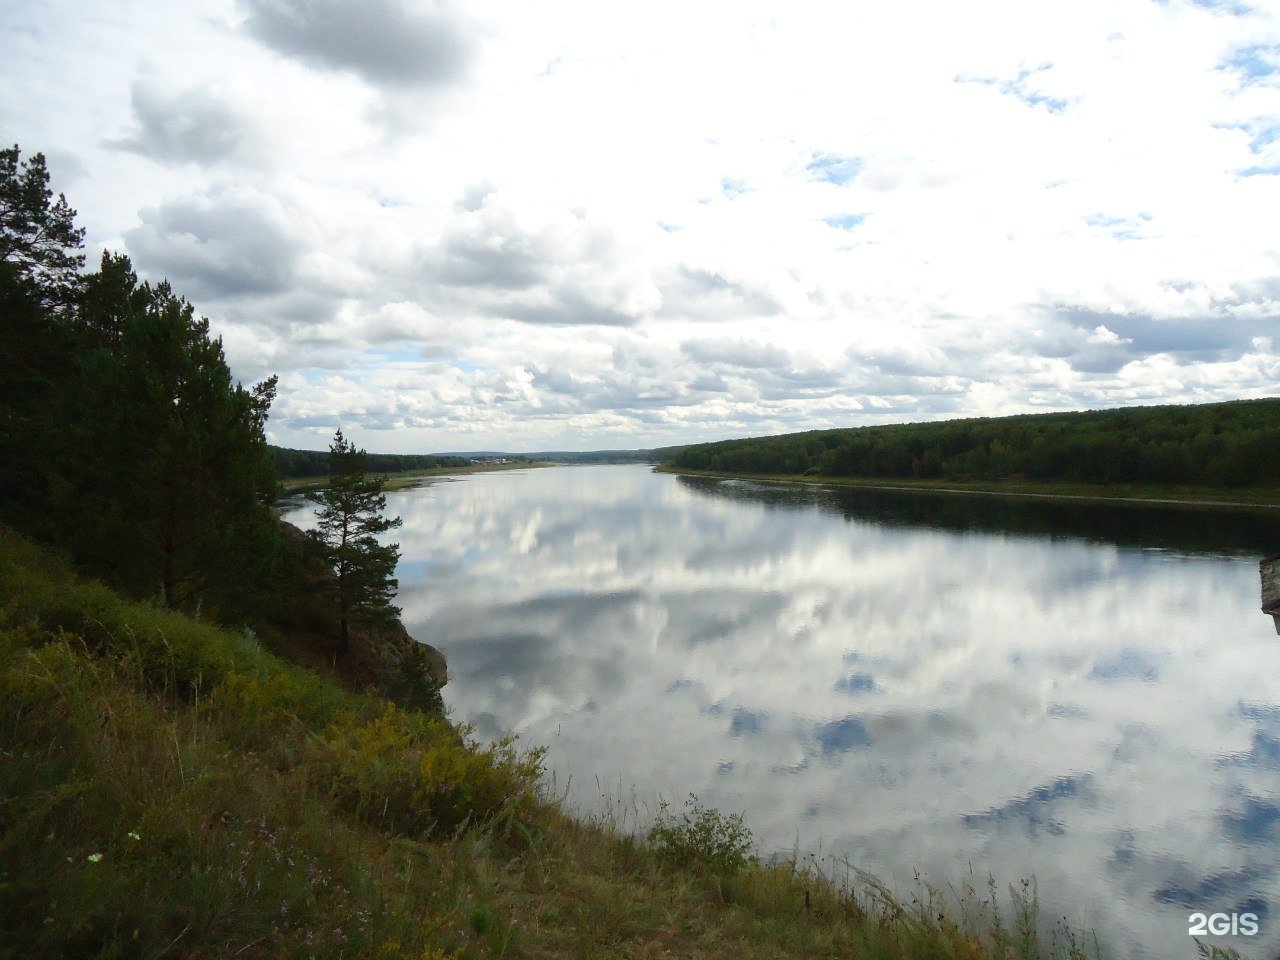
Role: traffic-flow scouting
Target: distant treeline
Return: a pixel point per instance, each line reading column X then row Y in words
column 657, row 455
column 1214, row 445
column 315, row 463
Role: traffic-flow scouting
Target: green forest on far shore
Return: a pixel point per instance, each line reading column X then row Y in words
column 1214, row 445
column 315, row 463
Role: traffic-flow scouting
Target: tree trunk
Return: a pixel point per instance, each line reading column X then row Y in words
column 344, row 644
column 170, row 547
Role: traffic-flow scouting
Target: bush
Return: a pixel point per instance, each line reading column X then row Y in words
column 419, row 774
column 702, row 836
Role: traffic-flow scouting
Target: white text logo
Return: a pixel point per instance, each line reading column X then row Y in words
column 1221, row 924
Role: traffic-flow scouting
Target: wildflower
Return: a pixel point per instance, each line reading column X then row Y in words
column 95, row 857
column 133, row 836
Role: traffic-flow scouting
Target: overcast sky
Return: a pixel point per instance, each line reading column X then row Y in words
column 512, row 225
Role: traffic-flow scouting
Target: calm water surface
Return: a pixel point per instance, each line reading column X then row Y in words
column 1085, row 695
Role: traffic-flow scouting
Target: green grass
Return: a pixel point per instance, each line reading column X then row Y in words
column 1186, row 496
column 171, row 789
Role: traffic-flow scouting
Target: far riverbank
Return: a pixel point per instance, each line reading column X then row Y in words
column 1245, row 498
column 405, row 479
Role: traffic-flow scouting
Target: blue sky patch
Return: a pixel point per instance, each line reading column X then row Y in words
column 1254, row 63
column 1052, row 104
column 1223, row 6
column 1261, row 134
column 1264, row 137
column 405, row 353
column 1122, row 228
column 834, row 168
column 1019, row 89
column 845, row 221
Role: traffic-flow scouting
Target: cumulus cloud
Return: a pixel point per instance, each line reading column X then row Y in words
column 409, row 323
column 502, row 255
column 231, row 243
column 188, row 126
column 1102, row 335
column 737, row 353
column 387, row 42
column 1207, row 338
column 695, row 292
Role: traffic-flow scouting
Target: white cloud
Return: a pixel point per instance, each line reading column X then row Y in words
column 189, row 126
column 1102, row 335
column 384, row 41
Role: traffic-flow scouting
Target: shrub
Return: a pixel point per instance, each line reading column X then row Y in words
column 702, row 836
column 255, row 706
column 418, row 774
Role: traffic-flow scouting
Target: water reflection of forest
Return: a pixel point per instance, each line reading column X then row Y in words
column 1235, row 532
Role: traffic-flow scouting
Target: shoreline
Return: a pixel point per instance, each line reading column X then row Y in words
column 1121, row 496
column 407, row 479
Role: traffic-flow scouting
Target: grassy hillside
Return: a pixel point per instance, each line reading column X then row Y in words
column 170, row 789
column 1209, row 446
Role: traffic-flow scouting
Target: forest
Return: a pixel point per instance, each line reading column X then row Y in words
column 314, row 463
column 1234, row 444
column 127, row 444
column 657, row 455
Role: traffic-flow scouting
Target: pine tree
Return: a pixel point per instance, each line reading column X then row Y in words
column 350, row 520
column 39, row 263
column 39, row 241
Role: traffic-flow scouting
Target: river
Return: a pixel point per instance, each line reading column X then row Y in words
column 960, row 686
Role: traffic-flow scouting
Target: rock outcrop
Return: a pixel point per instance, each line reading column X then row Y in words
column 1269, row 569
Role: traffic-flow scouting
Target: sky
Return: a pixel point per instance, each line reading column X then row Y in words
column 512, row 226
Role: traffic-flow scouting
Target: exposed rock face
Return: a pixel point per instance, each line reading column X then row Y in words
column 1269, row 569
column 382, row 655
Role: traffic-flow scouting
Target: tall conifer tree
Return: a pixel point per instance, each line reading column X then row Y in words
column 39, row 262
column 351, row 517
